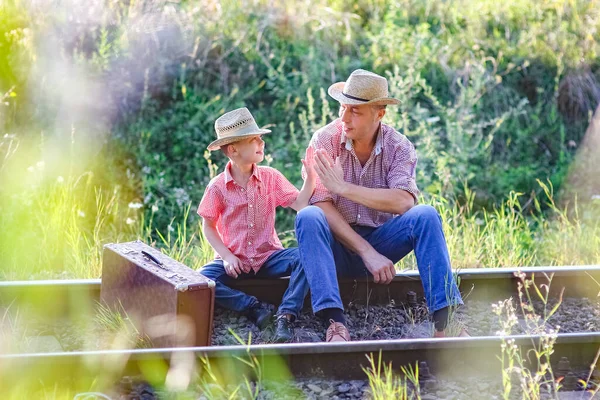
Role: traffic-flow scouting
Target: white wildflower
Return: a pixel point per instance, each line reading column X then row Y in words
column 129, row 221
column 154, row 208
column 81, row 213
column 135, row 206
column 170, row 228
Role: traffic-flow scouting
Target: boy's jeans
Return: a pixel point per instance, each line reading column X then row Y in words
column 284, row 262
column 419, row 229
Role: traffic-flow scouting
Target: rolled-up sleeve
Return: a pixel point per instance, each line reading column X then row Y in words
column 212, row 203
column 285, row 193
column 402, row 173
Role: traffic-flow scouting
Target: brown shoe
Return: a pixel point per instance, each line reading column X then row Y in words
column 337, row 332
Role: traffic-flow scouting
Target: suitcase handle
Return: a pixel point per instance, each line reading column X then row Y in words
column 151, row 257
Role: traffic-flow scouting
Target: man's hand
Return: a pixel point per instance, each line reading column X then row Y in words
column 233, row 266
column 380, row 266
column 330, row 173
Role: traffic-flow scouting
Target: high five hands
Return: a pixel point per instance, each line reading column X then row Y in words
column 330, row 173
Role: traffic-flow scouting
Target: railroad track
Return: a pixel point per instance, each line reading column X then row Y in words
column 448, row 357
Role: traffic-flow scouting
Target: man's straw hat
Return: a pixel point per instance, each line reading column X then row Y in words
column 362, row 87
column 234, row 126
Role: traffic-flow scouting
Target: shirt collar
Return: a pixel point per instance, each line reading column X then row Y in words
column 229, row 178
column 348, row 142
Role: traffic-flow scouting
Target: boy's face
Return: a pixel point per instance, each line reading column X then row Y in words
column 250, row 150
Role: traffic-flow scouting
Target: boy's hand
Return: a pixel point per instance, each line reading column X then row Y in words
column 309, row 164
column 233, row 266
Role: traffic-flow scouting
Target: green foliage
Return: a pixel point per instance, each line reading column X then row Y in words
column 496, row 97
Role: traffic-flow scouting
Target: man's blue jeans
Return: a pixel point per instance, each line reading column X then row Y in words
column 284, row 262
column 419, row 229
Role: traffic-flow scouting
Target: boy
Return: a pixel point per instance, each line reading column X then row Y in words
column 238, row 212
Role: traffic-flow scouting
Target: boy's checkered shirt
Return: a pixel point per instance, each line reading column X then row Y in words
column 245, row 217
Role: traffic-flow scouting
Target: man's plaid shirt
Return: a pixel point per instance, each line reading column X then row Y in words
column 392, row 165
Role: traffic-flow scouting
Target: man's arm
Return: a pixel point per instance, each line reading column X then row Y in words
column 396, row 201
column 380, row 266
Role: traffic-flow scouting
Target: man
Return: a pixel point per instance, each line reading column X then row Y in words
column 364, row 216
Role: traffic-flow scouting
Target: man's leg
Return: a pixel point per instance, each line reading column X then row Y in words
column 420, row 229
column 315, row 243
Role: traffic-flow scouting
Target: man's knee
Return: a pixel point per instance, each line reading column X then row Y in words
column 309, row 215
column 424, row 213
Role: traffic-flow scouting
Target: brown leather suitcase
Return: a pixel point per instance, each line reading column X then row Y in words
column 167, row 301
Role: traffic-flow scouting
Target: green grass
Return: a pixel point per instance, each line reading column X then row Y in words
column 55, row 228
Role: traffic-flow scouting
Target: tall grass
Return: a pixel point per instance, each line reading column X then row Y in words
column 57, row 228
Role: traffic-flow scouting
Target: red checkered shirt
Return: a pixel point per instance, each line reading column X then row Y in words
column 245, row 217
column 391, row 165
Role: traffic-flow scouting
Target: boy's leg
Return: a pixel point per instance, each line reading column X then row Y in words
column 282, row 263
column 225, row 296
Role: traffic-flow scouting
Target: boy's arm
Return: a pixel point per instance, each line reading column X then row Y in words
column 233, row 265
column 309, row 184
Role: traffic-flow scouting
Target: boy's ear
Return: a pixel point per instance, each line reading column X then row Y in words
column 227, row 148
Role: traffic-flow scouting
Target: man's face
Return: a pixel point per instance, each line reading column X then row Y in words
column 250, row 150
column 360, row 121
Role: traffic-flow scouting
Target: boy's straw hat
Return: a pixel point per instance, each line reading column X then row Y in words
column 234, row 126
column 362, row 87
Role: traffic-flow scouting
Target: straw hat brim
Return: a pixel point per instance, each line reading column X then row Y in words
column 216, row 145
column 336, row 91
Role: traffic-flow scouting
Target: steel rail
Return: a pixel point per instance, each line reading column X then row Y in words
column 477, row 356
column 73, row 296
column 448, row 357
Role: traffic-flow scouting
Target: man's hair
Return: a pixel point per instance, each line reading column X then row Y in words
column 380, row 106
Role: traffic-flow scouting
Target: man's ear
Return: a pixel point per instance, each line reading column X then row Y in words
column 381, row 113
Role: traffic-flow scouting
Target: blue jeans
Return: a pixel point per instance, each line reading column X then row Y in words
column 419, row 229
column 284, row 262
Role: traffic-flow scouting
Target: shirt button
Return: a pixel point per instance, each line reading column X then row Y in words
column 251, row 225
column 243, row 190
column 249, row 242
column 250, row 205
column 358, row 216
